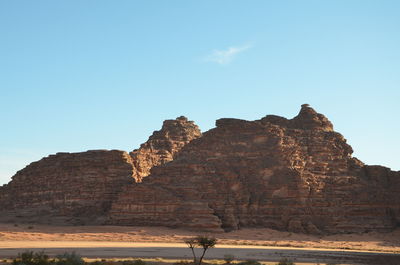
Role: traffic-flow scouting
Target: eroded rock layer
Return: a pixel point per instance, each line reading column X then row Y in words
column 290, row 174
column 163, row 145
column 74, row 188
column 78, row 188
column 295, row 175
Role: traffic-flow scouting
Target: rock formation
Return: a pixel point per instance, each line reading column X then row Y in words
column 75, row 188
column 295, row 175
column 289, row 174
column 163, row 145
column 78, row 188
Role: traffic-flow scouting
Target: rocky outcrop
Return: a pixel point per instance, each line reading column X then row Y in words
column 289, row 174
column 295, row 175
column 163, row 145
column 74, row 188
column 78, row 188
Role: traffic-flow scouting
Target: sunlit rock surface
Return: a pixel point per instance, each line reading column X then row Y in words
column 289, row 174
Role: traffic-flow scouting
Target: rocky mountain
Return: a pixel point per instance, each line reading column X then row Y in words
column 289, row 174
column 295, row 175
column 78, row 188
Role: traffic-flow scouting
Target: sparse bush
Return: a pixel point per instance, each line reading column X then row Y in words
column 30, row 227
column 229, row 258
column 40, row 258
column 285, row 261
column 70, row 259
column 30, row 258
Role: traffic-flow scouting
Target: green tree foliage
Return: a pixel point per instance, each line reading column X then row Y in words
column 200, row 241
column 205, row 243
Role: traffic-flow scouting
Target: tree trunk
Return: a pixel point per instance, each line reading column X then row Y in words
column 194, row 256
column 201, row 258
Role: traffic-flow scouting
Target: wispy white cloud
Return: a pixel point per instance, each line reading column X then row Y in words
column 226, row 56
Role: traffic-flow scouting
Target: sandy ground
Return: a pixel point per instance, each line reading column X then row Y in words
column 172, row 251
column 261, row 244
column 381, row 242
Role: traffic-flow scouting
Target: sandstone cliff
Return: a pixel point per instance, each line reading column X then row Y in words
column 163, row 145
column 78, row 188
column 67, row 188
column 295, row 175
column 290, row 174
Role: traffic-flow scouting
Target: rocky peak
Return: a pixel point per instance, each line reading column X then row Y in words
column 162, row 145
column 309, row 119
column 230, row 122
column 289, row 174
column 77, row 188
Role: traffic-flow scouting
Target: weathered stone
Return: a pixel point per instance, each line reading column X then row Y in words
column 295, row 175
column 295, row 226
column 78, row 188
column 289, row 174
column 163, row 145
column 74, row 188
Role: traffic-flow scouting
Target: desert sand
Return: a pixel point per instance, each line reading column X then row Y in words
column 260, row 243
column 373, row 241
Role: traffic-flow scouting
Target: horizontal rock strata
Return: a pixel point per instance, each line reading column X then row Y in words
column 74, row 188
column 78, row 188
column 289, row 174
column 163, row 145
column 295, row 175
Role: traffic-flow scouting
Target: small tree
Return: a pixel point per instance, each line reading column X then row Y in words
column 203, row 242
column 191, row 243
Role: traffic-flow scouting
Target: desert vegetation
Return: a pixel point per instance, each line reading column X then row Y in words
column 72, row 258
column 200, row 241
column 41, row 258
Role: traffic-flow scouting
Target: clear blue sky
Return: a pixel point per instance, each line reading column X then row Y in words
column 79, row 75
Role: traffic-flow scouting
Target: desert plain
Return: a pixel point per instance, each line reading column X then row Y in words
column 167, row 243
